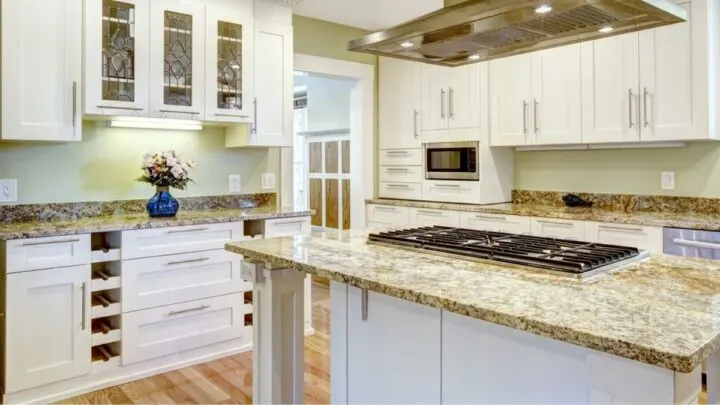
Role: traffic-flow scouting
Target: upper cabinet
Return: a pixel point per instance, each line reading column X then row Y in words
column 510, row 87
column 399, row 104
column 41, row 70
column 450, row 97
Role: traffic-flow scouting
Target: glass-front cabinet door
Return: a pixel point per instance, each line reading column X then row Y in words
column 177, row 33
column 229, row 68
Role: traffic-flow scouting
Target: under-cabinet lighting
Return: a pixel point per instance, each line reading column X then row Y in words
column 154, row 123
column 543, row 9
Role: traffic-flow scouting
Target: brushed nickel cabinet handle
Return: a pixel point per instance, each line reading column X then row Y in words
column 83, row 289
column 397, row 186
column 442, row 103
column 200, row 259
column 291, row 222
column 451, row 102
column 52, row 242
column 415, row 118
column 397, row 152
column 364, row 304
column 74, row 104
column 254, row 126
column 187, row 230
column 390, row 209
column 630, row 108
column 231, row 115
column 555, row 223
column 185, row 311
column 447, row 185
column 620, row 228
column 180, row 112
column 491, row 218
column 396, row 169
column 535, row 115
column 525, row 127
column 437, row 213
column 118, row 107
column 645, row 107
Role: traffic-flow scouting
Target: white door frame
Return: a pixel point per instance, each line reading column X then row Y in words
column 361, row 132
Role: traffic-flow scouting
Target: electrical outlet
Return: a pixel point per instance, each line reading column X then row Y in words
column 667, row 180
column 8, row 190
column 234, row 183
column 268, row 181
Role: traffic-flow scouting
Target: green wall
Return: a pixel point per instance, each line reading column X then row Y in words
column 328, row 40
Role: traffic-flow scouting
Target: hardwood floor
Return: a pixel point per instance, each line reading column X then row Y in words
column 227, row 380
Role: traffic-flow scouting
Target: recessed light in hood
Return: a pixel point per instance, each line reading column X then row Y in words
column 478, row 30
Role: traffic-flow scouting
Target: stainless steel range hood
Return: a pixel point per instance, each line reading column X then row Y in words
column 477, row 30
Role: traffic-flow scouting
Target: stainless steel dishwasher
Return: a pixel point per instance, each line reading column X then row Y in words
column 691, row 243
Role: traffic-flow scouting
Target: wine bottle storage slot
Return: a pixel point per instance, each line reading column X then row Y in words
column 106, row 276
column 106, row 330
column 248, row 319
column 106, row 303
column 105, row 356
column 254, row 229
column 105, row 247
column 248, row 297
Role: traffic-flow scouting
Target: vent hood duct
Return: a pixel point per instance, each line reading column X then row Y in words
column 478, row 30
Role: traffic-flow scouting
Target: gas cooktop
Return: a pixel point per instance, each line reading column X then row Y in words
column 564, row 256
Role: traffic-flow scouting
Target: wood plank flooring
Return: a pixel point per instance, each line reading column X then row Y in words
column 227, row 380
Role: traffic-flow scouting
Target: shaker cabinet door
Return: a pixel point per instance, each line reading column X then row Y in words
column 510, row 82
column 399, row 98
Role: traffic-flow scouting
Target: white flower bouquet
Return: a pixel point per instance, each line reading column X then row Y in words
column 166, row 169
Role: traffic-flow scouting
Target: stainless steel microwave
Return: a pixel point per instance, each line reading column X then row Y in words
column 452, row 161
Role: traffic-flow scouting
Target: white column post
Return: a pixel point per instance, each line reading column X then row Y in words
column 278, row 334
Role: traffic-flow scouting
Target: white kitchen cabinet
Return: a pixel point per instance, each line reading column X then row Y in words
column 648, row 238
column 229, row 73
column 393, row 353
column 430, row 217
column 178, row 240
column 467, row 192
column 450, row 98
column 47, row 327
column 556, row 112
column 558, row 228
column 116, row 57
column 401, row 157
column 402, row 191
column 177, row 66
column 495, row 222
column 510, row 87
column 279, row 227
column 610, row 79
column 399, row 99
column 388, row 215
column 46, row 253
column 434, row 97
column 41, row 70
column 403, row 174
column 674, row 71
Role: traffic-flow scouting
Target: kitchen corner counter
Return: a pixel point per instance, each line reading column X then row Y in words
column 663, row 311
column 687, row 220
column 110, row 223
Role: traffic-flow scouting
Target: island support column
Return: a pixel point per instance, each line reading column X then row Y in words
column 278, row 333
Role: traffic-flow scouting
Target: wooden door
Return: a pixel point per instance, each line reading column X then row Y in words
column 329, row 180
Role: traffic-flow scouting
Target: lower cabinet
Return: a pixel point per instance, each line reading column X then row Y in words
column 648, row 238
column 393, row 354
column 47, row 327
column 558, row 228
column 388, row 215
column 170, row 329
column 495, row 222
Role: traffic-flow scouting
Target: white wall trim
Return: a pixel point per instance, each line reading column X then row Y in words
column 361, row 132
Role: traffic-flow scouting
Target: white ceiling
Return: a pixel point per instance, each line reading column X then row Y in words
column 367, row 14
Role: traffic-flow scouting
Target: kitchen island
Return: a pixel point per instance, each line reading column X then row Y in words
column 411, row 327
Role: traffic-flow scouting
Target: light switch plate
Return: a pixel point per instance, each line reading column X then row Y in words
column 667, row 180
column 234, row 183
column 268, row 181
column 8, row 190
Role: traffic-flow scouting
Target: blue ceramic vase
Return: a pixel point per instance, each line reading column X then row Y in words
column 162, row 204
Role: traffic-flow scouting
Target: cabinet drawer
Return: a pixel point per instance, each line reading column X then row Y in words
column 401, row 157
column 170, row 329
column 402, row 174
column 388, row 215
column 403, row 191
column 428, row 217
column 45, row 253
column 558, row 228
column 648, row 238
column 181, row 239
column 278, row 227
column 452, row 191
column 165, row 280
column 494, row 222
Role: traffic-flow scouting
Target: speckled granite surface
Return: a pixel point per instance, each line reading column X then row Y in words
column 664, row 311
column 35, row 229
column 71, row 211
column 662, row 219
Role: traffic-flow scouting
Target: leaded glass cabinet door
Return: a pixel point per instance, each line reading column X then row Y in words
column 229, row 69
column 177, row 33
column 116, row 57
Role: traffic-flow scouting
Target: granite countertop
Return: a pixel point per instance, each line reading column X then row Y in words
column 664, row 311
column 35, row 229
column 662, row 219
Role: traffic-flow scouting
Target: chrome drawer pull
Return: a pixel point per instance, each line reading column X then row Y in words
column 396, row 169
column 179, row 112
column 84, row 305
column 117, row 107
column 391, row 209
column 290, row 222
column 397, row 186
column 74, row 106
column 631, row 96
column 447, row 185
column 188, row 230
column 200, row 259
column 397, row 152
column 231, row 115
column 491, row 218
column 185, row 311
column 52, row 242
column 619, row 228
column 430, row 212
column 555, row 223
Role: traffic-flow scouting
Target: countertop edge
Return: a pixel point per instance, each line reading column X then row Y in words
column 676, row 362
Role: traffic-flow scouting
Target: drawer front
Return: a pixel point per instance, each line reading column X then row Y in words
column 452, row 191
column 388, row 215
column 494, row 222
column 402, row 191
column 558, row 228
column 171, row 329
column 648, row 238
column 278, row 227
column 181, row 239
column 401, row 157
column 158, row 281
column 46, row 253
column 428, row 217
column 402, row 174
